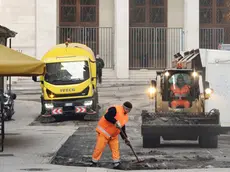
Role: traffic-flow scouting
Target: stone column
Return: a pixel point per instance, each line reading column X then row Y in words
column 191, row 24
column 121, row 38
column 46, row 26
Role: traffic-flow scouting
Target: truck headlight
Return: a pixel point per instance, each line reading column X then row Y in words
column 194, row 74
column 49, row 106
column 167, row 74
column 51, row 95
column 208, row 91
column 88, row 103
column 152, row 92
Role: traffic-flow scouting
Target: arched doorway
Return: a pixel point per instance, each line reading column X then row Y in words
column 147, row 36
column 214, row 23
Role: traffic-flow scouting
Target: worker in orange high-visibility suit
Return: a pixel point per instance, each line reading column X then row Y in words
column 180, row 92
column 108, row 130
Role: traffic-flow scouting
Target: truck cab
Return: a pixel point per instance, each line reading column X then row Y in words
column 69, row 86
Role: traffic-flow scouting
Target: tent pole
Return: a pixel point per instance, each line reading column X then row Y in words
column 10, row 76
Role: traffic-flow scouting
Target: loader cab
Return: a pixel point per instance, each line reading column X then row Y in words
column 67, row 73
column 180, row 88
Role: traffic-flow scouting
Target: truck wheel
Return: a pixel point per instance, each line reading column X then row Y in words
column 43, row 109
column 208, row 141
column 151, row 142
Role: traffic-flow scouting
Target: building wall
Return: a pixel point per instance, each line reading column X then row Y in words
column 106, row 13
column 176, row 13
column 36, row 22
column 20, row 17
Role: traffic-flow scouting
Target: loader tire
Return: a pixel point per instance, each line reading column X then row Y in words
column 208, row 141
column 151, row 142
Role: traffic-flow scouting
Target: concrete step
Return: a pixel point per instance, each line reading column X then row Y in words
column 25, row 85
column 105, row 86
column 131, row 78
column 107, row 74
column 128, row 79
column 20, row 86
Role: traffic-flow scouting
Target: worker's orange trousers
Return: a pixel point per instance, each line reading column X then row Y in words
column 184, row 103
column 102, row 141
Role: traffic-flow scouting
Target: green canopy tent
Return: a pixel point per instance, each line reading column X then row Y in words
column 14, row 63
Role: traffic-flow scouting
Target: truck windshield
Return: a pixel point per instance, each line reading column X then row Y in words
column 180, row 79
column 65, row 73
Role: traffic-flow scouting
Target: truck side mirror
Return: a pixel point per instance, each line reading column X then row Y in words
column 35, row 79
column 153, row 83
column 13, row 96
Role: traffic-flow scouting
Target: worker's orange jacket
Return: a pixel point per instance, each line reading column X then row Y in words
column 108, row 129
column 180, row 92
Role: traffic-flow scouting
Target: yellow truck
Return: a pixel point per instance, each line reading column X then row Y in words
column 69, row 85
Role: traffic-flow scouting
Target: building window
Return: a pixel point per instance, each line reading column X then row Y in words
column 79, row 12
column 68, row 11
column 147, row 35
column 214, row 12
column 206, row 10
column 214, row 23
column 223, row 12
column 148, row 13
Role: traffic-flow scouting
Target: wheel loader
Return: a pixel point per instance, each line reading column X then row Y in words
column 178, row 96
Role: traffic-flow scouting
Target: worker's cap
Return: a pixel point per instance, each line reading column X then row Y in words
column 128, row 105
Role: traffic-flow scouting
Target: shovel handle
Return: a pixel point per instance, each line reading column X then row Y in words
column 130, row 146
column 123, row 133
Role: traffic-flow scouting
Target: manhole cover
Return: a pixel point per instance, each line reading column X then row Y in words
column 35, row 169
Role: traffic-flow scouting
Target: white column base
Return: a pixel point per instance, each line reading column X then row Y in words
column 121, row 38
column 191, row 24
column 46, row 26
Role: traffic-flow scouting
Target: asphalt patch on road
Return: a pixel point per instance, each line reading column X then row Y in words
column 77, row 151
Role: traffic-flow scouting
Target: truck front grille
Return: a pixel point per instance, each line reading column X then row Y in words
column 68, row 108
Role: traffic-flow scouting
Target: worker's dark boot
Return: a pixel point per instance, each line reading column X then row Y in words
column 94, row 164
column 118, row 166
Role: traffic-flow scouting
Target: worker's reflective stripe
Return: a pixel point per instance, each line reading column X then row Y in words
column 116, row 161
column 95, row 161
column 180, row 95
column 102, row 130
